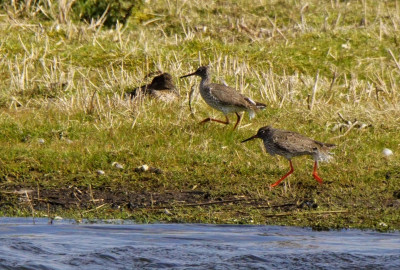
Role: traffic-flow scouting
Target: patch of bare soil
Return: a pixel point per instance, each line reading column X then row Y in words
column 85, row 199
column 69, row 198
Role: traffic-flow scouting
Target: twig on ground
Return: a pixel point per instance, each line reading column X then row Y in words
column 94, row 209
column 307, row 213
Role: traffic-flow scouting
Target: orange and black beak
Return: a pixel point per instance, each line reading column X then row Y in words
column 252, row 137
column 191, row 74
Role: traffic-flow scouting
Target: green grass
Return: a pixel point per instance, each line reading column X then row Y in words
column 64, row 83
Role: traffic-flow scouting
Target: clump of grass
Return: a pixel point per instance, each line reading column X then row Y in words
column 329, row 71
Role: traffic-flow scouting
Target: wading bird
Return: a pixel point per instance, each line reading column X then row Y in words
column 161, row 87
column 224, row 98
column 291, row 144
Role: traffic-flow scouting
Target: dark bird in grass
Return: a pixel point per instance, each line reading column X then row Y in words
column 161, row 87
column 224, row 98
column 291, row 144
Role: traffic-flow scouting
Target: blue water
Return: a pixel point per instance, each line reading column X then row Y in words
column 26, row 244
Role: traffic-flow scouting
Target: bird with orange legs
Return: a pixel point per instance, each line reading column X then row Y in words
column 224, row 98
column 291, row 144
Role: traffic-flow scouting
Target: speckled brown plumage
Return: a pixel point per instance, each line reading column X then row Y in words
column 224, row 98
column 290, row 144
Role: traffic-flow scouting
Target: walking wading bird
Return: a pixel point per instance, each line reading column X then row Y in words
column 291, row 144
column 224, row 98
column 161, row 87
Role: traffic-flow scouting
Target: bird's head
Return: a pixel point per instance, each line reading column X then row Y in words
column 163, row 81
column 202, row 72
column 261, row 133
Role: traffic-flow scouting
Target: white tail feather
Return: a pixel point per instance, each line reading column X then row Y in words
column 324, row 157
column 251, row 114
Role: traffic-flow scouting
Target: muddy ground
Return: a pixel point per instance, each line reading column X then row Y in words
column 201, row 207
column 84, row 199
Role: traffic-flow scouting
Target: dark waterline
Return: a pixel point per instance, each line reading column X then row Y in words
column 64, row 245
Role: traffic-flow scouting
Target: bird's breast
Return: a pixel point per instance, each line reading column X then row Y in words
column 211, row 100
column 270, row 147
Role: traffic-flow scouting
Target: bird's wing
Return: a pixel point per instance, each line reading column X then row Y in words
column 327, row 145
column 294, row 142
column 229, row 96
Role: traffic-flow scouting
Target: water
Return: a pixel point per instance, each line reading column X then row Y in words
column 64, row 245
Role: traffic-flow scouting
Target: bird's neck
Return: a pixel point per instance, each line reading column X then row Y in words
column 205, row 80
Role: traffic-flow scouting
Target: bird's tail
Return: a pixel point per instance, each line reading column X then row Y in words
column 324, row 157
column 261, row 106
column 323, row 154
column 258, row 105
column 251, row 113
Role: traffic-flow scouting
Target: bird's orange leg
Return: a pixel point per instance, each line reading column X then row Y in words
column 216, row 120
column 238, row 120
column 315, row 174
column 283, row 177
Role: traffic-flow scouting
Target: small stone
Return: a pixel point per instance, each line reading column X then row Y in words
column 387, row 152
column 143, row 168
column 117, row 165
column 100, row 172
column 346, row 46
column 146, row 168
column 41, row 141
column 58, row 218
column 383, row 224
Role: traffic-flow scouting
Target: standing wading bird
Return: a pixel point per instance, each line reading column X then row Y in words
column 224, row 98
column 291, row 144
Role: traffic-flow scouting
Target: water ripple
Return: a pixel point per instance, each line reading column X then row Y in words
column 191, row 246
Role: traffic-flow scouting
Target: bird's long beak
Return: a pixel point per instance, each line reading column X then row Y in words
column 191, row 74
column 252, row 137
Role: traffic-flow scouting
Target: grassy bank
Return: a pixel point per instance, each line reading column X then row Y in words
column 330, row 71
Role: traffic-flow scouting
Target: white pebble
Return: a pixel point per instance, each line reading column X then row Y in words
column 100, row 172
column 346, row 46
column 387, row 152
column 41, row 141
column 144, row 168
column 117, row 165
